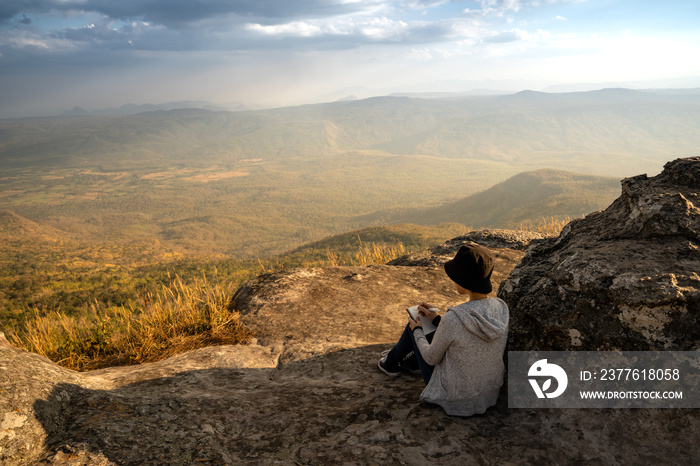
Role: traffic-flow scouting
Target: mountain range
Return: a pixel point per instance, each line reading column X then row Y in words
column 599, row 132
column 133, row 109
column 251, row 183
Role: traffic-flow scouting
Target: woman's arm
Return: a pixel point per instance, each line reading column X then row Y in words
column 435, row 351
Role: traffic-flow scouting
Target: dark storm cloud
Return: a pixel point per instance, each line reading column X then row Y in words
column 174, row 12
column 133, row 36
column 189, row 25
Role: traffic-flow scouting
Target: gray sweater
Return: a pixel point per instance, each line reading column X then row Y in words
column 467, row 352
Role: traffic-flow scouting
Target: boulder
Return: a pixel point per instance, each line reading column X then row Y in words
column 306, row 312
column 625, row 278
column 501, row 242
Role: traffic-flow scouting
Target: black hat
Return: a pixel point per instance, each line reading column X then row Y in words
column 471, row 268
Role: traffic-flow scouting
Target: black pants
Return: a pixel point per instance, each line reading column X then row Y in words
column 403, row 348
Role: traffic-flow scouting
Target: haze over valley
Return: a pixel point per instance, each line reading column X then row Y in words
column 251, row 183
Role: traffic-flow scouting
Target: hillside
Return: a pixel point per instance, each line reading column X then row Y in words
column 523, row 199
column 42, row 269
column 407, row 236
column 13, row 226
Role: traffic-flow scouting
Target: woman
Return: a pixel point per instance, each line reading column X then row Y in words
column 462, row 361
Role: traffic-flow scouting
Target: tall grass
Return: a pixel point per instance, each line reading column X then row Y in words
column 548, row 226
column 367, row 254
column 179, row 317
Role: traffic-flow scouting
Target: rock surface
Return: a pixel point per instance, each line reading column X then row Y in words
column 305, row 312
column 623, row 278
column 204, row 407
column 496, row 240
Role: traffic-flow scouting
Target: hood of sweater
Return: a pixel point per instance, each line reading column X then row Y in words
column 487, row 319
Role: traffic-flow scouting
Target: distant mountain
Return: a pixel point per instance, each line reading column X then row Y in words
column 611, row 131
column 522, row 199
column 133, row 109
column 443, row 95
column 76, row 111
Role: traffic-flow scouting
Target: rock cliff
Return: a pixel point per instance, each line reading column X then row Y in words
column 307, row 391
column 623, row 278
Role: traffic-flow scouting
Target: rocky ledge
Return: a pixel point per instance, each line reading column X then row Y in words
column 623, row 278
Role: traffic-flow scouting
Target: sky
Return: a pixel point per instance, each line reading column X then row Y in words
column 57, row 54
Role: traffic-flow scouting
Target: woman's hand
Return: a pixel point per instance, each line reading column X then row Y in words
column 427, row 311
column 413, row 324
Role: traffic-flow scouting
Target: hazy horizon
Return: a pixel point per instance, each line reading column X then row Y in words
column 55, row 55
column 358, row 94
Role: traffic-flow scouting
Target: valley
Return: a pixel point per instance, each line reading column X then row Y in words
column 197, row 183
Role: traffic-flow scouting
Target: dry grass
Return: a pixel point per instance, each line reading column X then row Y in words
column 367, row 254
column 178, row 318
column 551, row 226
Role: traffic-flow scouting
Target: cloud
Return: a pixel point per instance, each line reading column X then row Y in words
column 359, row 30
column 503, row 7
column 505, row 36
column 424, row 4
column 136, row 35
column 210, row 24
column 243, row 43
column 174, row 12
column 237, row 25
column 29, row 49
column 253, row 24
column 495, row 7
column 295, row 28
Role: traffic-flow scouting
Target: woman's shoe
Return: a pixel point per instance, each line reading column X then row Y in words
column 409, row 364
column 382, row 367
